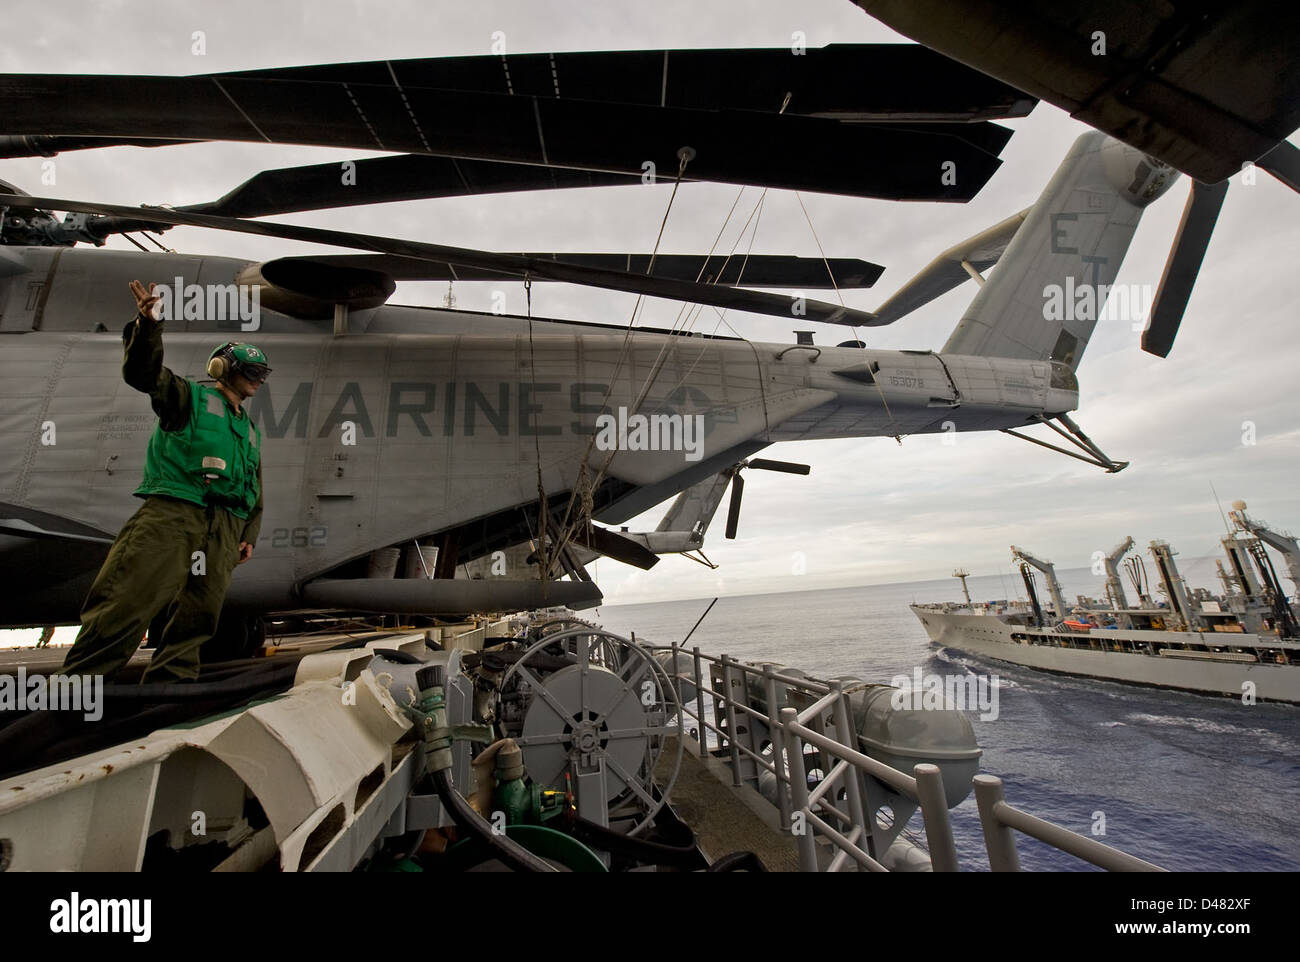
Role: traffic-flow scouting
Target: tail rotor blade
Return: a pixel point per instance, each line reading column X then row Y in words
column 733, row 509
column 1283, row 162
column 1194, row 231
column 788, row 467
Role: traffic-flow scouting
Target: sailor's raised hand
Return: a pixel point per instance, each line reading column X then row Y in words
column 145, row 300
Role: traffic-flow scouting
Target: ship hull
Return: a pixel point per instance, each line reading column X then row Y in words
column 987, row 636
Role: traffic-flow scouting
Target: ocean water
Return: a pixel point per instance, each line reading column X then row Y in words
column 1188, row 782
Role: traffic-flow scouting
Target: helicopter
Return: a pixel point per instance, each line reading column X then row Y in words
column 403, row 443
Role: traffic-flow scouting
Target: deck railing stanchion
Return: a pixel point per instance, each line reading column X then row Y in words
column 999, row 839
column 701, row 718
column 934, row 809
column 852, row 779
column 799, row 794
column 729, row 687
column 778, row 753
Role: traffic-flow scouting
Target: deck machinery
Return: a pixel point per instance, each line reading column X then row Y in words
column 533, row 744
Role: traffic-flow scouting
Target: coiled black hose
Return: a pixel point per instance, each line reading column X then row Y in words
column 738, row 862
column 511, row 853
column 656, row 853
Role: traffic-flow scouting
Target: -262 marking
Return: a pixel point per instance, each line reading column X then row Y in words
column 299, row 537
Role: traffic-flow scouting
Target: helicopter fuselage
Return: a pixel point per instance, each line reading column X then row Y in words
column 424, row 420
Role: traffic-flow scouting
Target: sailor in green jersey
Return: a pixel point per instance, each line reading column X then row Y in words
column 202, row 509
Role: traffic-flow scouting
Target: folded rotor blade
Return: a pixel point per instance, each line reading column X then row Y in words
column 383, row 180
column 892, row 82
column 733, row 508
column 888, row 161
column 756, row 270
column 506, row 264
column 1184, row 263
column 41, row 145
column 859, row 119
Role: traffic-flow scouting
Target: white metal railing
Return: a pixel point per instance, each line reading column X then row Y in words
column 999, row 818
column 824, row 832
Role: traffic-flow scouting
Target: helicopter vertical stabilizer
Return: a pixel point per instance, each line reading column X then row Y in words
column 1057, row 275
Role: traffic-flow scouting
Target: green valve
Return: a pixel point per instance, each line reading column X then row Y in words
column 511, row 795
column 431, row 716
column 514, row 799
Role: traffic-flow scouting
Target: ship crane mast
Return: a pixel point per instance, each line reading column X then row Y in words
column 963, row 574
column 1049, row 574
column 1115, row 587
column 1285, row 544
column 1284, row 616
column 1181, row 606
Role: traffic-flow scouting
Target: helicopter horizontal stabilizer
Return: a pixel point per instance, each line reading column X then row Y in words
column 614, row 544
column 951, row 268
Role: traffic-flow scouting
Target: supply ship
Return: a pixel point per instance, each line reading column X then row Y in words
column 1241, row 642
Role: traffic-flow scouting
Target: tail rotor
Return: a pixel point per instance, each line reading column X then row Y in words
column 1188, row 252
column 738, row 485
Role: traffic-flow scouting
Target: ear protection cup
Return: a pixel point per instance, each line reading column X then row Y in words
column 218, row 364
column 237, row 357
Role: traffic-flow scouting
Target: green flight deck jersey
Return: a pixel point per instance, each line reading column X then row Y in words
column 195, row 422
column 213, row 459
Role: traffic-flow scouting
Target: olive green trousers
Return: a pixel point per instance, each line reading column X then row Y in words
column 168, row 551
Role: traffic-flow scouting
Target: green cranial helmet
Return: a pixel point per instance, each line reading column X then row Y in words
column 238, row 358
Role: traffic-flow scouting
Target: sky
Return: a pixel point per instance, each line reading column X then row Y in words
column 1221, row 410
